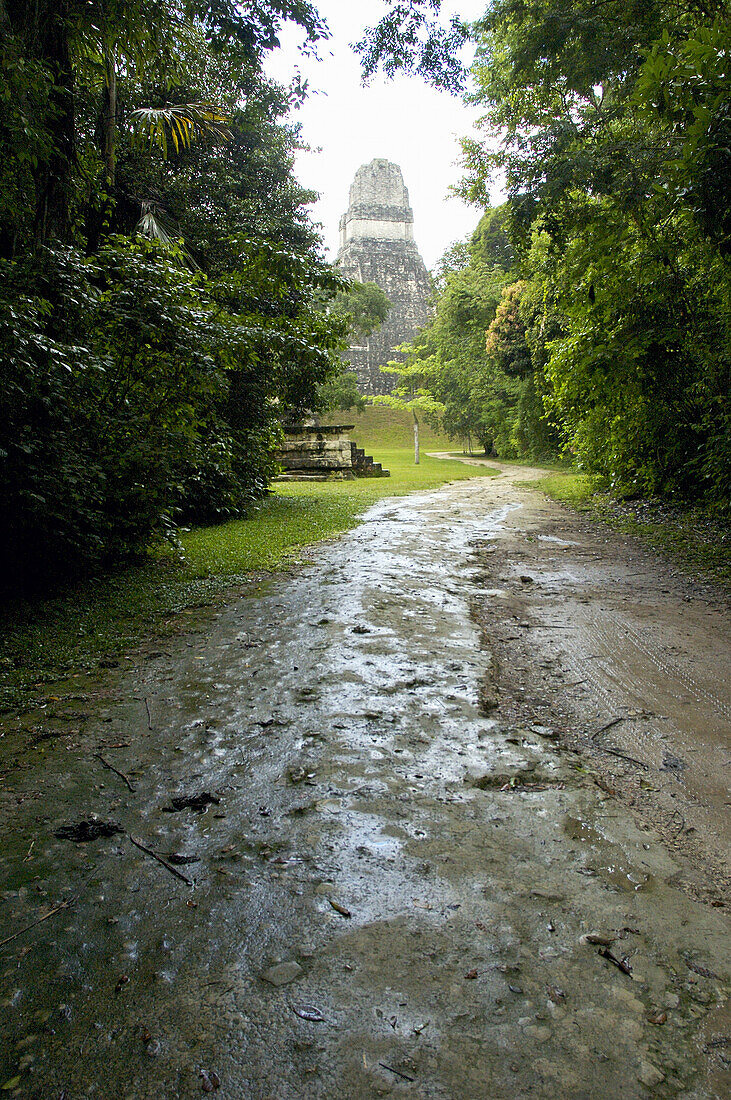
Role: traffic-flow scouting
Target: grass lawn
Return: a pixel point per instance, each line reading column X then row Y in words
column 102, row 618
column 567, row 487
column 379, row 428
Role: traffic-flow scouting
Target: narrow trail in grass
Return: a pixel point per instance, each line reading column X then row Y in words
column 449, row 796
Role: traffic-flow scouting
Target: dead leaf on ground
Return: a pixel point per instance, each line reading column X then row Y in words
column 91, row 828
column 340, row 908
column 210, row 1081
column 198, row 802
column 308, row 1012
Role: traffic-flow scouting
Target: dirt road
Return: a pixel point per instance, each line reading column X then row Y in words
column 423, row 868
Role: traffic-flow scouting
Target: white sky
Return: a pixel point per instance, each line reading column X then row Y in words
column 403, row 120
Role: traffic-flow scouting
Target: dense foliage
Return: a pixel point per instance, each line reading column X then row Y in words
column 476, row 361
column 610, row 124
column 163, row 297
column 412, row 38
column 363, row 307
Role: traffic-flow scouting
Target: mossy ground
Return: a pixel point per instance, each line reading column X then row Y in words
column 102, row 618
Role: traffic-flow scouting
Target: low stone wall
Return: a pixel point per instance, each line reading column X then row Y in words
column 317, row 449
column 319, row 452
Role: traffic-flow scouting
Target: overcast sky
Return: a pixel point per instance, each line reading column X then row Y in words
column 347, row 124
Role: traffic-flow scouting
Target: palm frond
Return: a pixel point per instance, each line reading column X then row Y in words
column 152, row 226
column 179, row 124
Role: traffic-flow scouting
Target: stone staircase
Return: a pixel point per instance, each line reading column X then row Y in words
column 363, row 464
column 311, row 451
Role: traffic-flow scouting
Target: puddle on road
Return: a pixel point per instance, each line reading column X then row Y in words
column 554, row 539
column 609, row 863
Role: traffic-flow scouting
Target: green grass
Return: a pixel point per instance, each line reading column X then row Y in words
column 380, row 428
column 105, row 618
column 567, row 487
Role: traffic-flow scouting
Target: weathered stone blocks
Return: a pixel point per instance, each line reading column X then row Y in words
column 377, row 245
column 317, row 448
column 312, row 451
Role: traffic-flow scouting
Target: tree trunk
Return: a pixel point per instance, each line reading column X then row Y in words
column 50, row 44
column 110, row 117
column 416, row 438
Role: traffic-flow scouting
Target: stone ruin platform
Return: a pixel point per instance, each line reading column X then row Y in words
column 324, row 452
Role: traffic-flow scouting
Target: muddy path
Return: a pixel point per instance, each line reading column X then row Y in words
column 414, row 872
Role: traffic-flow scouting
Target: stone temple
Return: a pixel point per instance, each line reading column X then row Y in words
column 377, row 246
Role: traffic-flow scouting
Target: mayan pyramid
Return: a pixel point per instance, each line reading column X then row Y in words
column 377, row 245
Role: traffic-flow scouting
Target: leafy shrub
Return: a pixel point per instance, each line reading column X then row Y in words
column 109, row 369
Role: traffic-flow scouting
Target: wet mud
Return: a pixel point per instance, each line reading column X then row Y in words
column 413, row 870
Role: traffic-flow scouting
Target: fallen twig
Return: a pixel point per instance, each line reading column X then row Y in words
column 619, row 963
column 149, row 716
column 63, row 905
column 398, row 1072
column 622, row 756
column 608, row 726
column 168, row 866
column 702, row 970
column 116, row 771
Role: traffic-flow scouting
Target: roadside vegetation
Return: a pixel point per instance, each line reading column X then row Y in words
column 698, row 543
column 591, row 314
column 164, row 298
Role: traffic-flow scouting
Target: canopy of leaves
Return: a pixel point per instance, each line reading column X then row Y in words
column 473, row 358
column 609, row 125
column 613, row 126
column 163, row 293
column 363, row 306
column 360, row 308
column 411, row 39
